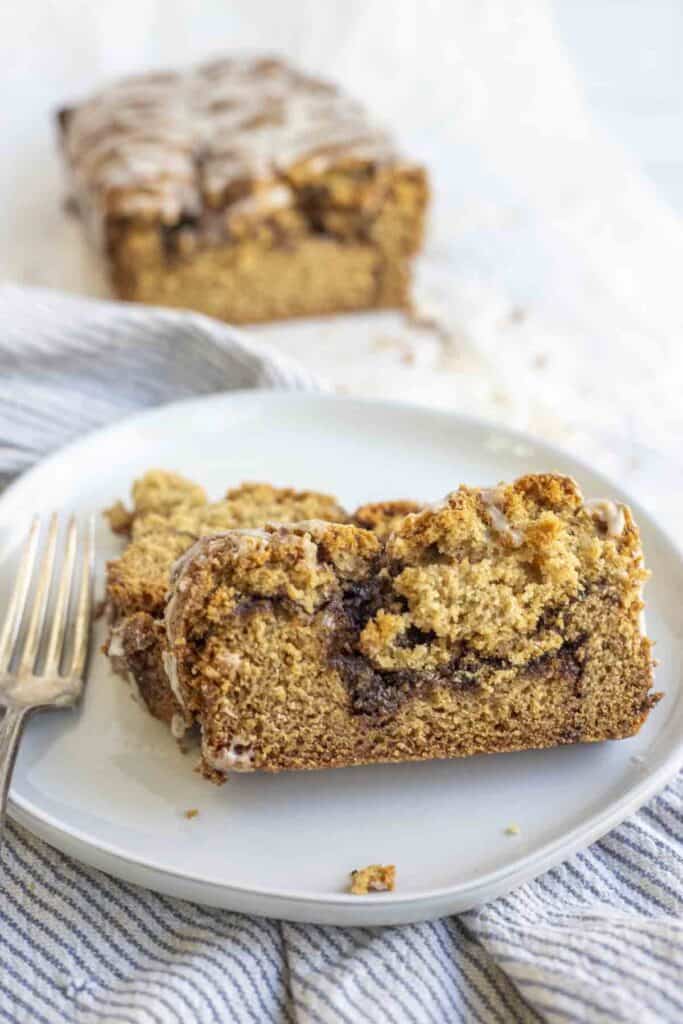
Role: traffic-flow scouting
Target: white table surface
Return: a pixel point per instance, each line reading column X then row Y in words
column 552, row 262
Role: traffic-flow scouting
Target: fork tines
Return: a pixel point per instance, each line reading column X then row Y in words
column 64, row 630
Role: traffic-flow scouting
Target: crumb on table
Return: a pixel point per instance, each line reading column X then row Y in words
column 191, row 813
column 373, row 878
column 512, row 830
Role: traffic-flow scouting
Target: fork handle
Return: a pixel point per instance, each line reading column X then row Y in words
column 11, row 728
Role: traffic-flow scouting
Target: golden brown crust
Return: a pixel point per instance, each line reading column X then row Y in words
column 162, row 492
column 159, row 492
column 138, row 580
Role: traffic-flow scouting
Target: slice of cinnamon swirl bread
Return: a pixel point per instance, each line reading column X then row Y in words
column 505, row 619
column 169, row 513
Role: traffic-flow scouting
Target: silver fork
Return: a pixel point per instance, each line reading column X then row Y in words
column 26, row 689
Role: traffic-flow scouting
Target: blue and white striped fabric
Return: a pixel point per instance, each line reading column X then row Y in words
column 598, row 939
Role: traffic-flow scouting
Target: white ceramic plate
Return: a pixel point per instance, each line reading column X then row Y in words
column 107, row 783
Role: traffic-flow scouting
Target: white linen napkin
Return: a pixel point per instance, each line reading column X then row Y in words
column 599, row 938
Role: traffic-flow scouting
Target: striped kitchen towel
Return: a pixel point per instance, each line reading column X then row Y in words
column 598, row 939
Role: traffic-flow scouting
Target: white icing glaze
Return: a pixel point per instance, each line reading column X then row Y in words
column 115, row 649
column 178, row 726
column 313, row 526
column 642, row 624
column 278, row 197
column 493, row 498
column 439, row 506
column 252, row 531
column 238, row 757
column 577, row 489
column 328, row 620
column 168, row 659
column 117, row 656
column 167, row 145
column 171, row 669
column 309, row 551
column 609, row 513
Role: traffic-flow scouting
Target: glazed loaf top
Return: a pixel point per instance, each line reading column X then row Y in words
column 233, row 134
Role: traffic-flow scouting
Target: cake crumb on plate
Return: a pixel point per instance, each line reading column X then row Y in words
column 191, row 813
column 512, row 830
column 373, row 878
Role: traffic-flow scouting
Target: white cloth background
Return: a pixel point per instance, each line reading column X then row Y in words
column 554, row 268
